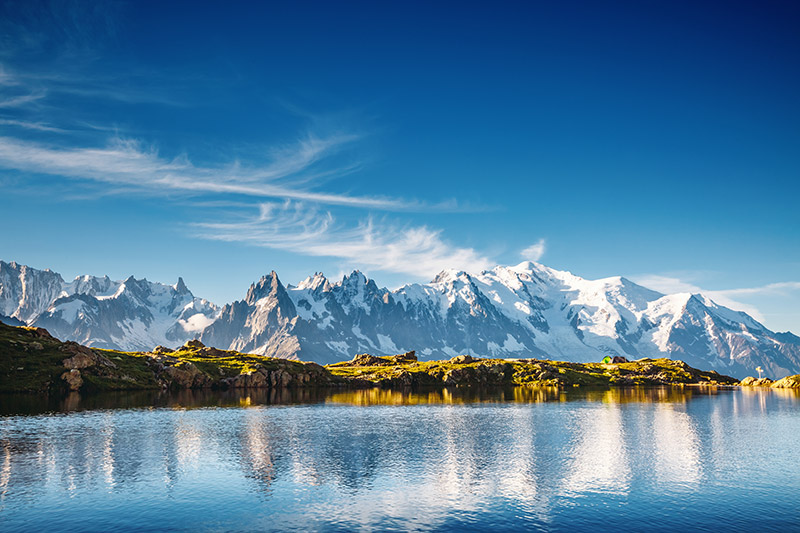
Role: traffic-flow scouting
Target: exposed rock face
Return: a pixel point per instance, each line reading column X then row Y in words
column 194, row 343
column 185, row 375
column 365, row 359
column 82, row 357
column 750, row 381
column 73, row 379
column 261, row 323
column 789, row 382
column 26, row 292
column 130, row 315
column 407, row 357
column 462, row 359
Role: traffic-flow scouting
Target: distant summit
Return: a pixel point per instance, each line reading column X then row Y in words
column 526, row 310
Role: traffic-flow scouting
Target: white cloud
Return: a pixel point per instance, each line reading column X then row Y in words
column 665, row 284
column 535, row 251
column 773, row 288
column 22, row 99
column 38, row 126
column 726, row 297
column 126, row 163
column 293, row 226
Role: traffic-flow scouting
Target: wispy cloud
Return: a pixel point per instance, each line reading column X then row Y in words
column 289, row 175
column 772, row 288
column 535, row 251
column 38, row 126
column 20, row 100
column 727, row 297
column 296, row 227
column 126, row 163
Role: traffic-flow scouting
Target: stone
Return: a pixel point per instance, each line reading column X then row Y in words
column 407, row 357
column 83, row 357
column 193, row 344
column 36, row 346
column 462, row 359
column 162, row 349
column 365, row 359
column 208, row 351
column 73, row 379
column 789, row 382
column 185, row 376
column 42, row 333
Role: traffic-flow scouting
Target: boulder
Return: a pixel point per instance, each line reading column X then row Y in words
column 460, row 376
column 82, row 357
column 208, row 351
column 255, row 379
column 162, row 349
column 789, row 382
column 185, row 376
column 750, row 381
column 462, row 359
column 73, row 379
column 42, row 333
column 408, row 357
column 365, row 359
column 194, row 344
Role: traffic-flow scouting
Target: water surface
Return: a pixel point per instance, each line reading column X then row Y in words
column 539, row 459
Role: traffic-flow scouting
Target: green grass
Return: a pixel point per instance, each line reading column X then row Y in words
column 540, row 372
column 31, row 363
column 24, row 367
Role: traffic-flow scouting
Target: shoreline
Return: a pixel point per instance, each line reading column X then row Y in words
column 34, row 361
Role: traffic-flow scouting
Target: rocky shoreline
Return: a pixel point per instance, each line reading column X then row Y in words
column 32, row 360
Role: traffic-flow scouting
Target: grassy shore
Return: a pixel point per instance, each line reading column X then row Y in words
column 32, row 360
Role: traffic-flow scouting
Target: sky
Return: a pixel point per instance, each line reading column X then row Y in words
column 218, row 141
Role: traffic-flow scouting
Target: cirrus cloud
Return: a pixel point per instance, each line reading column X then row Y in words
column 296, row 227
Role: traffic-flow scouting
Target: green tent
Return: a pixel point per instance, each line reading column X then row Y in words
column 606, row 360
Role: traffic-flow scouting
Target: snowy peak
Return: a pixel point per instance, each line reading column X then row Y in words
column 525, row 310
column 267, row 286
column 516, row 311
column 25, row 292
column 131, row 314
column 316, row 282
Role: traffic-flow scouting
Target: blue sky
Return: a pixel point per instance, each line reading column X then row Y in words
column 219, row 141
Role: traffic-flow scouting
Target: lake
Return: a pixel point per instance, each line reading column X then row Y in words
column 535, row 459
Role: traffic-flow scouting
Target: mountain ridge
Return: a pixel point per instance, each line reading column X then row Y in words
column 525, row 310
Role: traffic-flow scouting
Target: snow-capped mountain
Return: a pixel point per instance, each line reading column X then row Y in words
column 129, row 315
column 527, row 310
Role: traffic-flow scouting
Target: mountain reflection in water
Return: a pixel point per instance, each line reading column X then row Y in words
column 377, row 459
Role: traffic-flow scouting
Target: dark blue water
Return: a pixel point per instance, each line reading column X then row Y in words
column 655, row 460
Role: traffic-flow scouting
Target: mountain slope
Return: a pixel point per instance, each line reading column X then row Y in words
column 527, row 310
column 128, row 315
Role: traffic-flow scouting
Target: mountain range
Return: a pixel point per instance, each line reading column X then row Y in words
column 527, row 310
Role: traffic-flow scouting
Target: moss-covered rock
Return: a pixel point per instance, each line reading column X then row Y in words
column 32, row 360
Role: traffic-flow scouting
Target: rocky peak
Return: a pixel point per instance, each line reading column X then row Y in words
column 267, row 286
column 355, row 278
column 316, row 282
column 180, row 287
